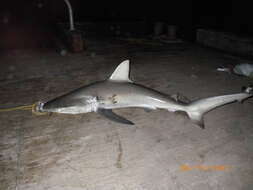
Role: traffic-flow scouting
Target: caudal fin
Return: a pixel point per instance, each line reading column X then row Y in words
column 198, row 108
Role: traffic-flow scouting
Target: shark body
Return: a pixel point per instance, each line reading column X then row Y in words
column 120, row 92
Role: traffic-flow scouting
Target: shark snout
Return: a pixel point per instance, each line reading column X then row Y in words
column 54, row 105
column 48, row 106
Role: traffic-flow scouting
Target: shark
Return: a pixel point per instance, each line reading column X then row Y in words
column 119, row 91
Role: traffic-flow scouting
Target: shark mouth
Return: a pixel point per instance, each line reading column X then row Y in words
column 39, row 107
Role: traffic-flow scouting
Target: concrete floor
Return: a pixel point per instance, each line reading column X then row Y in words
column 88, row 152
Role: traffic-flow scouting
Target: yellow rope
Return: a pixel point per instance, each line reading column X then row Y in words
column 26, row 107
column 31, row 107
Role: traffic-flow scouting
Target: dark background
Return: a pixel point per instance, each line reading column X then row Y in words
column 26, row 19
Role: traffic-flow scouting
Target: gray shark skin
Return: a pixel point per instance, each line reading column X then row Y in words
column 120, row 92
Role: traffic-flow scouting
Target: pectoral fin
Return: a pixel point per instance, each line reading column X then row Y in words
column 108, row 113
column 147, row 110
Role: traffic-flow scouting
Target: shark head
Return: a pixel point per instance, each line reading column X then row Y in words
column 71, row 105
column 81, row 100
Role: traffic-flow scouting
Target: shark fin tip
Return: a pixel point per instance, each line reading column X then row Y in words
column 200, row 123
column 202, row 126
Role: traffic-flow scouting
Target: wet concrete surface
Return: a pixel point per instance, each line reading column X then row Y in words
column 162, row 151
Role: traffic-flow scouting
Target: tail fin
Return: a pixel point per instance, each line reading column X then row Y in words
column 198, row 108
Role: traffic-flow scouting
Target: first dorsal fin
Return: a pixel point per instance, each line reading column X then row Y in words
column 121, row 73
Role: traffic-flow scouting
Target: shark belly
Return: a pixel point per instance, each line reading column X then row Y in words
column 140, row 101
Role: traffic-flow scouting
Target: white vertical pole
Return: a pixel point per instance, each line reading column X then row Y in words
column 71, row 20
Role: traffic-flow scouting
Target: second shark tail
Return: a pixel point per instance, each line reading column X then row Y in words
column 198, row 108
